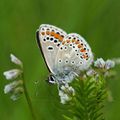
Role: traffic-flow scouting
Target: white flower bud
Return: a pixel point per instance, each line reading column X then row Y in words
column 66, row 92
column 10, row 87
column 15, row 60
column 60, row 93
column 116, row 60
column 100, row 63
column 91, row 72
column 63, row 87
column 71, row 90
column 17, row 92
column 12, row 74
column 63, row 101
column 14, row 97
column 63, row 97
column 109, row 64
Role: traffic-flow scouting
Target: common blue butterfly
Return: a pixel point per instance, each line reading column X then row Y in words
column 66, row 55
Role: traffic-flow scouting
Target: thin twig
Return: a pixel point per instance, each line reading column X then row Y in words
column 28, row 99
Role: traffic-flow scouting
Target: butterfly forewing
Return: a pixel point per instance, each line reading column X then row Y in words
column 49, row 39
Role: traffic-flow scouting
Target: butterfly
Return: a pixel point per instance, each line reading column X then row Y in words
column 66, row 55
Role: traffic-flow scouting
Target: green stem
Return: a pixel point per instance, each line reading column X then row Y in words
column 28, row 99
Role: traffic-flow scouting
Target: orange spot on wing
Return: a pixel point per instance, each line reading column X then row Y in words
column 77, row 42
column 67, row 41
column 52, row 33
column 82, row 50
column 60, row 38
column 63, row 42
column 84, row 56
column 79, row 46
column 43, row 33
column 47, row 32
column 56, row 36
column 73, row 40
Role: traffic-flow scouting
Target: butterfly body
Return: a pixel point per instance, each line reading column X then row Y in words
column 66, row 55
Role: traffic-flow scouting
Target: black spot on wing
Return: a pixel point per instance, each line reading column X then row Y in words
column 50, row 48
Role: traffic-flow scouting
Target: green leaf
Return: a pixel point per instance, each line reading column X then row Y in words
column 66, row 117
column 87, row 104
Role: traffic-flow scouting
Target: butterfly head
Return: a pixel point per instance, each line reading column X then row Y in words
column 62, row 77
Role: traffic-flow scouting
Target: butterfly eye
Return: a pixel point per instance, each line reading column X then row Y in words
column 51, row 79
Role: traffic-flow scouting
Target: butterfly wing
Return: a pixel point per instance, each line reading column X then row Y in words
column 74, row 54
column 49, row 39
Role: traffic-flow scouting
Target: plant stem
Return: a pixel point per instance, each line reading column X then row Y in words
column 28, row 99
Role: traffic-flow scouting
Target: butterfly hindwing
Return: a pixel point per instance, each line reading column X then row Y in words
column 49, row 39
column 74, row 54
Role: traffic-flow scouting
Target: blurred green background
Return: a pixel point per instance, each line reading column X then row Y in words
column 97, row 20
